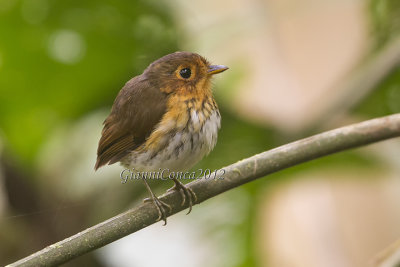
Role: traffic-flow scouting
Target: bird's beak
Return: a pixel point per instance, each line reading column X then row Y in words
column 214, row 69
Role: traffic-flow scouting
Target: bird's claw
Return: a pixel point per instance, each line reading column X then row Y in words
column 186, row 192
column 162, row 207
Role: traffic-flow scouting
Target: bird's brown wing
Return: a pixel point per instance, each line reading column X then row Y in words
column 136, row 111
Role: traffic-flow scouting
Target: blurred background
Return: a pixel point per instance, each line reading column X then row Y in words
column 296, row 68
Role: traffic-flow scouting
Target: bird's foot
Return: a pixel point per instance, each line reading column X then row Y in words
column 162, row 207
column 186, row 193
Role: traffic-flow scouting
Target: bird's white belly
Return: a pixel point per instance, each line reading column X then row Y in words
column 182, row 149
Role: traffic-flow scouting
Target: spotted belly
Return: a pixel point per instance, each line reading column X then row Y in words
column 177, row 143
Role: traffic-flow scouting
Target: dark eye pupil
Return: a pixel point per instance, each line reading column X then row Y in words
column 185, row 73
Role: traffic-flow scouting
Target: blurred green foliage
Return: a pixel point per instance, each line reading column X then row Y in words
column 385, row 20
column 61, row 59
column 385, row 26
column 384, row 100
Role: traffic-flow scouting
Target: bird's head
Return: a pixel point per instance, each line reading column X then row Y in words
column 182, row 73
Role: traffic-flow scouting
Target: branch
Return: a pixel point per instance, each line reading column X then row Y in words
column 239, row 173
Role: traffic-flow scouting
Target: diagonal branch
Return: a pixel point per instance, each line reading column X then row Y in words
column 239, row 173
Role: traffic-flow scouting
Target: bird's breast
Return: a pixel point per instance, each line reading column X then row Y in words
column 186, row 133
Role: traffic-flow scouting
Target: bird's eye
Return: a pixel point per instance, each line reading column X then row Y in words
column 185, row 73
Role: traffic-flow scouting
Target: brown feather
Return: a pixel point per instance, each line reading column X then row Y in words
column 136, row 111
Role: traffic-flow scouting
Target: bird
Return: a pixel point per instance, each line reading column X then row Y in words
column 165, row 117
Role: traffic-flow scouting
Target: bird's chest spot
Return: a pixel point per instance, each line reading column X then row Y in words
column 203, row 130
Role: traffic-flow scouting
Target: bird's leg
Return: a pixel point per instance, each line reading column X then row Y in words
column 160, row 205
column 186, row 193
